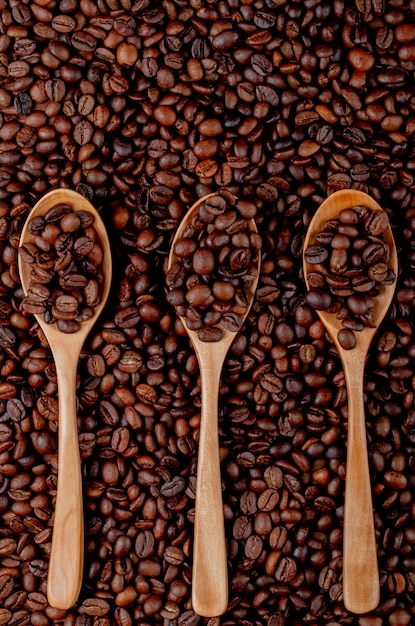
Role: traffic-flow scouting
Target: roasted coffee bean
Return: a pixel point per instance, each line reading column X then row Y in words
column 5, row 616
column 316, row 254
column 319, row 298
column 346, row 338
column 95, row 606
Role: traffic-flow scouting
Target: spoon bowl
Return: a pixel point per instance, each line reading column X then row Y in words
column 209, row 577
column 360, row 565
column 67, row 550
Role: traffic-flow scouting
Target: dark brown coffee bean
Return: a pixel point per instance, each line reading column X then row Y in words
column 6, row 586
column 210, row 333
column 346, row 338
column 95, row 606
column 5, row 616
column 63, row 23
column 286, row 570
column 66, row 307
column 315, row 254
column 319, row 299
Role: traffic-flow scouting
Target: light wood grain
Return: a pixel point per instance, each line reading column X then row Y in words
column 210, row 573
column 360, row 563
column 67, row 551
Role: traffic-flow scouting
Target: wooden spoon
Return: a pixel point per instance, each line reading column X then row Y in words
column 67, row 551
column 210, row 576
column 360, row 565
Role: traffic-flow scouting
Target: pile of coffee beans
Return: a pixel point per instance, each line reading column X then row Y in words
column 65, row 274
column 145, row 107
column 350, row 262
column 215, row 266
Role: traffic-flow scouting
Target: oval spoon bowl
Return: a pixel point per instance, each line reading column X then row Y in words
column 329, row 209
column 78, row 203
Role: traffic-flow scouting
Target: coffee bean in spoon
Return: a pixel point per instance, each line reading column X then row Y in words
column 215, row 264
column 350, row 261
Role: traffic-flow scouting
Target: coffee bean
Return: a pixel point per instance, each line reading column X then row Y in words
column 5, row 616
column 95, row 606
column 23, row 103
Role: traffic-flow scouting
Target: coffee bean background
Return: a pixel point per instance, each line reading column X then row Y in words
column 143, row 107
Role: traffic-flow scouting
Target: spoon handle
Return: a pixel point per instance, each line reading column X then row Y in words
column 210, row 576
column 67, row 551
column 360, row 565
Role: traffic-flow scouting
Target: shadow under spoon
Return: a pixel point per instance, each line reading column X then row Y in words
column 67, row 550
column 209, row 576
column 360, row 564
